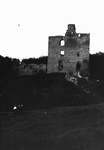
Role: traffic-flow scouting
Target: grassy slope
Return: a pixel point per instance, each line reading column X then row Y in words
column 59, row 128
column 46, row 91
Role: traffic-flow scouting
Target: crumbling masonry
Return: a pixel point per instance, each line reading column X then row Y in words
column 69, row 53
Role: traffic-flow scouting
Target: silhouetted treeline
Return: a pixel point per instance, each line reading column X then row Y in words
column 40, row 60
column 96, row 66
column 9, row 66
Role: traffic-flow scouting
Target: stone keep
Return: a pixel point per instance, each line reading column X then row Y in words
column 69, row 53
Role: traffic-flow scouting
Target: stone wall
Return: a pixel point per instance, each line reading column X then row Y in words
column 69, row 53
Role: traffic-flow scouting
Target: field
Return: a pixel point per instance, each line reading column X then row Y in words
column 80, row 128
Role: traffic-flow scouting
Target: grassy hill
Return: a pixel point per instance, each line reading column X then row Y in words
column 44, row 91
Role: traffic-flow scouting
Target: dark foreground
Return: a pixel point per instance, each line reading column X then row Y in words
column 48, row 91
column 70, row 128
column 56, row 114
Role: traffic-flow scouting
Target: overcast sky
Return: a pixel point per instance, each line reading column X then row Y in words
column 26, row 24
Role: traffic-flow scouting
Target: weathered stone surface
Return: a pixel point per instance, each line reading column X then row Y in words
column 75, row 49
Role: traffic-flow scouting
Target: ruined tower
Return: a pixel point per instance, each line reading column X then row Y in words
column 69, row 53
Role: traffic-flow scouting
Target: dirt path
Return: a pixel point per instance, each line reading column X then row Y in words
column 80, row 128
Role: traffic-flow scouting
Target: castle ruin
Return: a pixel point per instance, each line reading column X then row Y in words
column 69, row 53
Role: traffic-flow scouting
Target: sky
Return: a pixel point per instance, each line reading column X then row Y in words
column 25, row 25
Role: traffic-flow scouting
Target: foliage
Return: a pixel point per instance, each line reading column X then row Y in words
column 96, row 66
column 8, row 66
column 40, row 60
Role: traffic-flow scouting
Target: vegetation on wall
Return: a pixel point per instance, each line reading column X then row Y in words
column 40, row 60
column 8, row 66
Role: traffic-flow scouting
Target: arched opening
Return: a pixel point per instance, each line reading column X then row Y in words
column 62, row 43
column 62, row 52
column 79, row 35
column 60, row 65
column 86, row 64
column 78, row 66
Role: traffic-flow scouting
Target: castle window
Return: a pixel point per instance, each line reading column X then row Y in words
column 60, row 65
column 79, row 35
column 62, row 43
column 78, row 66
column 62, row 52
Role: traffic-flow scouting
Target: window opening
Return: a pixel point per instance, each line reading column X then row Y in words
column 62, row 43
column 62, row 52
column 60, row 65
column 79, row 35
column 78, row 66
